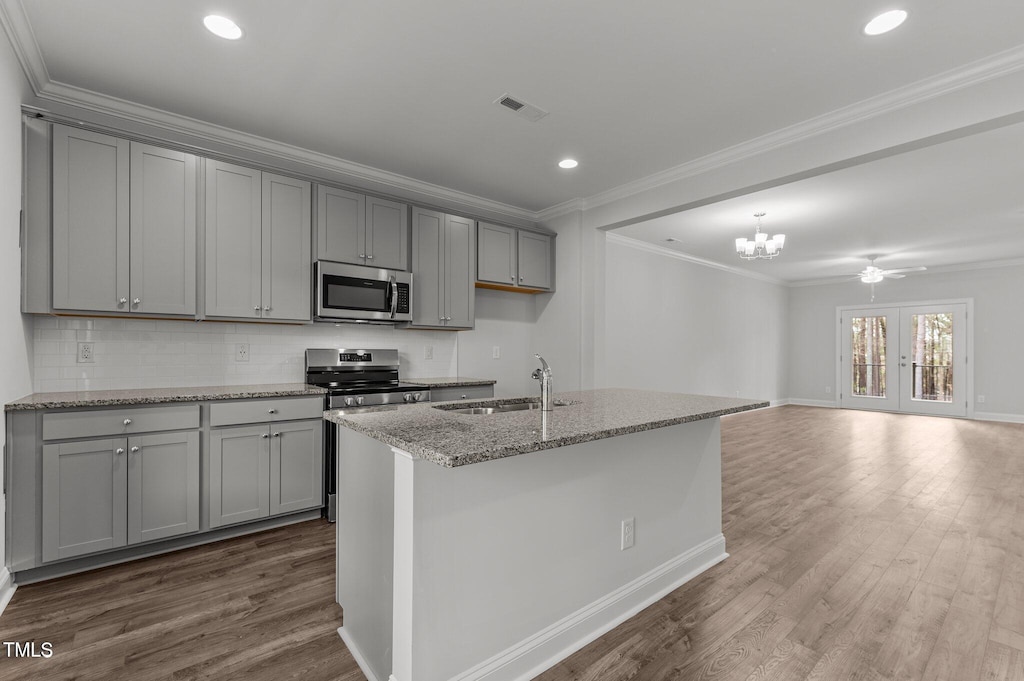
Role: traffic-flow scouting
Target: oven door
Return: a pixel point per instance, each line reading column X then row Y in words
column 360, row 293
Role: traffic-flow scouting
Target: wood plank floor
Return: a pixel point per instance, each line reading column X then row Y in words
column 863, row 546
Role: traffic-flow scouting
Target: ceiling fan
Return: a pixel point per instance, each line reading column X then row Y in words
column 873, row 274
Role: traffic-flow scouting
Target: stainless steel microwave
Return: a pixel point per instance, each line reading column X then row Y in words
column 357, row 293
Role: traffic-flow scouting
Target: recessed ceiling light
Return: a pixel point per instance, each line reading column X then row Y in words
column 885, row 22
column 222, row 27
column 568, row 163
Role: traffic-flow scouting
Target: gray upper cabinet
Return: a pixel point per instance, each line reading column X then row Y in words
column 361, row 230
column 163, row 486
column 85, row 491
column 496, row 257
column 286, row 241
column 534, row 259
column 124, row 225
column 443, row 248
column 510, row 258
column 90, row 221
column 163, row 231
column 257, row 245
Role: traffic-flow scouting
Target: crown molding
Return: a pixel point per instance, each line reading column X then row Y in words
column 994, row 66
column 638, row 245
column 19, row 32
column 559, row 209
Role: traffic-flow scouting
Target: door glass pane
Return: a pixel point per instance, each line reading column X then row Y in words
column 868, row 343
column 932, row 359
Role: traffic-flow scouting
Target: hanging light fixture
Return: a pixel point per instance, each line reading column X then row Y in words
column 760, row 246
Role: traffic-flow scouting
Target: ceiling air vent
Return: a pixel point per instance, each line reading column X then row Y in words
column 524, row 109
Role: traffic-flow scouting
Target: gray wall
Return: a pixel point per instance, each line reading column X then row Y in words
column 15, row 330
column 998, row 328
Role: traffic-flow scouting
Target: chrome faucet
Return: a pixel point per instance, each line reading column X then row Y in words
column 544, row 376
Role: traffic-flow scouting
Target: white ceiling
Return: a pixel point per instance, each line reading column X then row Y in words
column 408, row 87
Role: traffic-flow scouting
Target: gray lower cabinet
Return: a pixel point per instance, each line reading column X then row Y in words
column 124, row 225
column 361, row 230
column 443, row 250
column 511, row 258
column 258, row 245
column 261, row 470
column 105, row 494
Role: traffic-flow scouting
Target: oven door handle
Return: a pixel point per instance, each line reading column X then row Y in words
column 393, row 288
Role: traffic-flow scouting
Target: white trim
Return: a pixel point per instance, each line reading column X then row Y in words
column 1002, row 418
column 23, row 41
column 7, row 588
column 559, row 209
column 357, row 655
column 828, row 404
column 528, row 658
column 994, row 66
column 661, row 250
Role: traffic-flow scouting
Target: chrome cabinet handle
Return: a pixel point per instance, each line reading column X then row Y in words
column 119, row 450
column 127, row 422
column 122, row 301
column 134, row 449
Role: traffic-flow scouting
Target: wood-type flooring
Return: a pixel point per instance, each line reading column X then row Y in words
column 866, row 546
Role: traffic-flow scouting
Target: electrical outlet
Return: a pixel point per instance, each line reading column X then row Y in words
column 628, row 533
column 828, row 390
column 428, row 352
column 981, row 399
column 241, row 352
column 496, row 352
column 85, row 353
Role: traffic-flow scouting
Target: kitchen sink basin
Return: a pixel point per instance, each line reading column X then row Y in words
column 500, row 408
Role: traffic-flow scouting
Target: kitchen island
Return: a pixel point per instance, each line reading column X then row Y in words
column 492, row 545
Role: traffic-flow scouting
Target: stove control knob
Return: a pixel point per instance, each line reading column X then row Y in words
column 349, row 401
column 359, row 401
column 407, row 397
column 416, row 397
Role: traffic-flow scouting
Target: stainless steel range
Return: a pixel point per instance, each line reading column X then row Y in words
column 355, row 379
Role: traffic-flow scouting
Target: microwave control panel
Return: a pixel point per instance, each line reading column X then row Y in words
column 403, row 298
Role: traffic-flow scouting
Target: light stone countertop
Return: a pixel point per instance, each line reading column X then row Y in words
column 101, row 398
column 450, row 439
column 449, row 381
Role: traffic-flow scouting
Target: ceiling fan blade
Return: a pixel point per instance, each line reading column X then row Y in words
column 890, row 275
column 900, row 270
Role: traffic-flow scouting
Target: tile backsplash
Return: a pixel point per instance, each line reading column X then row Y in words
column 129, row 353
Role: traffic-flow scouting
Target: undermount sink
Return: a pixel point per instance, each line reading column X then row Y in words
column 500, row 408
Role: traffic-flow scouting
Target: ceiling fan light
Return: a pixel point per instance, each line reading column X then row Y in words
column 780, row 240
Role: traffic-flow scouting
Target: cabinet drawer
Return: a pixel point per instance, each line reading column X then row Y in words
column 464, row 392
column 266, row 410
column 108, row 422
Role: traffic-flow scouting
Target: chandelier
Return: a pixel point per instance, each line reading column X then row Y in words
column 761, row 246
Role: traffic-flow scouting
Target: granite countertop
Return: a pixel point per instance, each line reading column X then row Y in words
column 450, row 439
column 449, row 381
column 100, row 398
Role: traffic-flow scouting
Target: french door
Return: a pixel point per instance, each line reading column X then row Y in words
column 910, row 358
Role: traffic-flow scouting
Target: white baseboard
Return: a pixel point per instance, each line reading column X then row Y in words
column 541, row 651
column 1004, row 418
column 7, row 588
column 357, row 655
column 830, row 404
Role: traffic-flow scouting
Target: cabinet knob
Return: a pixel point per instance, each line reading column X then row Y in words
column 277, row 434
column 266, row 308
column 440, row 319
column 462, row 397
column 513, row 277
column 136, row 301
column 271, row 411
column 134, row 449
column 119, row 450
column 362, row 255
column 257, row 308
column 122, row 301
column 520, row 279
column 369, row 256
column 264, row 436
column 127, row 422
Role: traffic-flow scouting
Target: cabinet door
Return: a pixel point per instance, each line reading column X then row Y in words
column 90, row 221
column 163, row 231
column 459, row 254
column 534, row 259
column 84, row 497
column 239, row 474
column 387, row 234
column 287, row 242
column 296, row 466
column 427, row 263
column 496, row 254
column 163, row 485
column 233, row 241
column 340, row 225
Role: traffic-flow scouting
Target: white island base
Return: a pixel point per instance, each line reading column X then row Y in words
column 498, row 570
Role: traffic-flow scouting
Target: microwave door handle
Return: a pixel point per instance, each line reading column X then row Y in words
column 393, row 287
